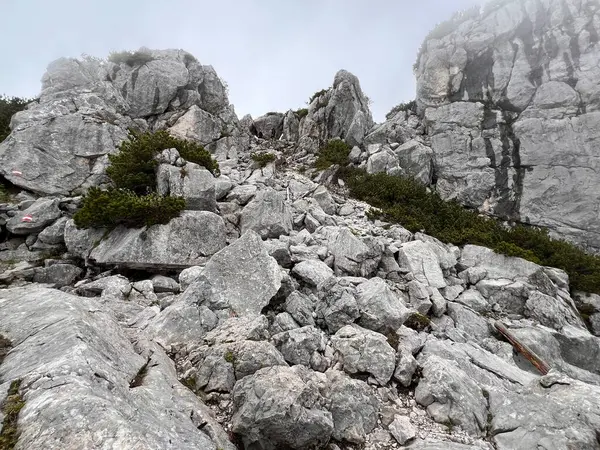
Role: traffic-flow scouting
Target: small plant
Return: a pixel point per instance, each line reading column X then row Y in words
column 11, row 407
column 317, row 95
column 132, row 59
column 301, row 113
column 229, row 357
column 4, row 195
column 262, row 158
column 335, row 151
column 417, row 321
column 113, row 207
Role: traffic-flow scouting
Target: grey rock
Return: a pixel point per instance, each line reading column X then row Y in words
column 402, row 430
column 275, row 408
column 192, row 182
column 423, row 262
column 364, row 350
column 58, row 275
column 415, row 160
column 185, row 241
column 380, row 309
column 55, row 233
column 280, row 251
column 354, row 256
column 223, row 185
column 325, row 200
column 80, row 242
column 241, row 279
column 338, row 307
column 550, row 311
column 353, row 407
column 189, row 275
column 450, row 395
column 142, row 293
column 251, row 328
column 291, row 125
column 495, row 264
column 269, row 126
column 42, row 212
column 283, row 322
column 312, row 272
column 115, row 286
column 474, row 300
column 61, row 335
column 301, row 308
column 161, row 283
column 182, row 322
column 242, row 193
column 342, row 112
column 406, row 367
column 471, row 324
column 298, row 345
column 267, row 214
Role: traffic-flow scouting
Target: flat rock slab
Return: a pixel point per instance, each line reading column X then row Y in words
column 185, row 241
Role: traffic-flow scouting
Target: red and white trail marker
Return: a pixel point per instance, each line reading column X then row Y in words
column 17, row 173
column 27, row 218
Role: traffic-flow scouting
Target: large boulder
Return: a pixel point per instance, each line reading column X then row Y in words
column 192, row 182
column 275, row 408
column 240, row 279
column 267, row 214
column 514, row 129
column 185, row 241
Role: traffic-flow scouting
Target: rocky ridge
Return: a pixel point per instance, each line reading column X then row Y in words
column 273, row 313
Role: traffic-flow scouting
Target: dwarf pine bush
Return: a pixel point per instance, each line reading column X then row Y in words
column 335, row 151
column 9, row 106
column 132, row 200
column 132, row 59
column 408, row 202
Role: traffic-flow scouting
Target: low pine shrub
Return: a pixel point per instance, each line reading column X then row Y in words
column 134, row 166
column 262, row 158
column 113, row 207
column 409, row 203
column 132, row 59
column 301, row 113
column 9, row 106
column 317, row 95
column 335, row 151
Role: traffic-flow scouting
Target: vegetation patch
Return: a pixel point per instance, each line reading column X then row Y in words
column 5, row 346
column 112, row 207
column 132, row 59
column 132, row 200
column 317, row 95
column 417, row 321
column 408, row 202
column 4, row 195
column 262, row 158
column 410, row 106
column 138, row 380
column 335, row 151
column 10, row 408
column 301, row 113
column 9, row 106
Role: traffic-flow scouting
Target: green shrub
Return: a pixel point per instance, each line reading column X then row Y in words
column 262, row 158
column 301, row 113
column 134, row 166
column 335, row 151
column 317, row 95
column 11, row 407
column 9, row 106
column 409, row 203
column 113, row 207
column 410, row 106
column 4, row 195
column 132, row 59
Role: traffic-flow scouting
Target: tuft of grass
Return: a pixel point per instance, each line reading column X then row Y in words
column 11, row 407
column 229, row 357
column 262, row 158
column 132, row 59
column 417, row 321
column 335, row 151
column 410, row 106
column 408, row 202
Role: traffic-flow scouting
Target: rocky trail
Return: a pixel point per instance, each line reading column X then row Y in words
column 273, row 313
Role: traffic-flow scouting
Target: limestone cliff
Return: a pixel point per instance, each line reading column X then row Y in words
column 510, row 97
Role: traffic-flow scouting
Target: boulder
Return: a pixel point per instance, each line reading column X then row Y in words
column 192, row 182
column 267, row 214
column 380, row 309
column 241, row 279
column 34, row 219
column 185, row 241
column 274, row 408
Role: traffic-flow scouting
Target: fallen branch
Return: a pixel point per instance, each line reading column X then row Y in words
column 522, row 348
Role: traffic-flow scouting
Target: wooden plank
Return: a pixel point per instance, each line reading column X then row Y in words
column 522, row 348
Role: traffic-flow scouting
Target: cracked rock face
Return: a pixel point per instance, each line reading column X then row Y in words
column 61, row 141
column 512, row 105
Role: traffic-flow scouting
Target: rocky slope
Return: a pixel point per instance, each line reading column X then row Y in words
column 272, row 313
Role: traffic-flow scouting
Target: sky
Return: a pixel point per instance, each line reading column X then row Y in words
column 273, row 54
